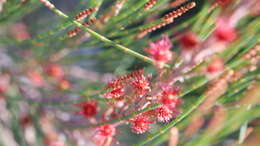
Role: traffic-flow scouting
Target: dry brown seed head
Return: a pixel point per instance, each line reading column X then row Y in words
column 168, row 18
column 84, row 13
column 76, row 30
column 150, row 4
column 179, row 12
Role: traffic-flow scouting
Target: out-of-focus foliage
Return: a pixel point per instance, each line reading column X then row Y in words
column 53, row 87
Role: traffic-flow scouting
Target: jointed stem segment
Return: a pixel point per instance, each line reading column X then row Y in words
column 104, row 39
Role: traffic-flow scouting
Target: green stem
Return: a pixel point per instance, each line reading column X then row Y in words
column 173, row 123
column 14, row 122
column 242, row 132
column 104, row 39
column 38, row 129
column 123, row 117
column 188, row 112
column 1, row 140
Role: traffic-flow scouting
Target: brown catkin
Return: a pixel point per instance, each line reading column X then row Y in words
column 84, row 14
column 154, row 27
column 218, row 118
column 73, row 32
column 219, row 83
column 176, row 13
column 251, row 96
column 250, row 55
column 91, row 21
column 213, row 6
column 195, row 125
column 47, row 4
column 145, row 31
column 236, row 76
column 168, row 18
column 217, row 88
column 150, row 4
column 176, row 3
column 76, row 30
column 174, row 137
column 253, row 57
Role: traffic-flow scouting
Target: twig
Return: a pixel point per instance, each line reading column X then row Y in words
column 102, row 38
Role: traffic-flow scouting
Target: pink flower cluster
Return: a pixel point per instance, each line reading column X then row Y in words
column 135, row 83
column 224, row 31
column 168, row 109
column 88, row 108
column 160, row 51
column 135, row 87
column 104, row 135
column 140, row 123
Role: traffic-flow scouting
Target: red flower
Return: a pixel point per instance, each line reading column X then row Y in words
column 117, row 92
column 36, row 78
column 164, row 114
column 160, row 50
column 224, row 32
column 55, row 71
column 113, row 83
column 19, row 32
column 141, row 85
column 189, row 40
column 169, row 98
column 140, row 124
column 4, row 83
column 106, row 130
column 215, row 66
column 88, row 108
column 104, row 135
column 25, row 120
column 64, row 84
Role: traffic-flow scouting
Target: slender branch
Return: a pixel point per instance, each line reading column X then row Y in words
column 192, row 88
column 151, row 107
column 190, row 110
column 173, row 123
column 104, row 39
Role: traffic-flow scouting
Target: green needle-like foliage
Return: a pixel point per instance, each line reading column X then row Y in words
column 65, row 81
